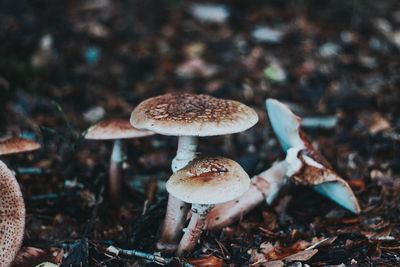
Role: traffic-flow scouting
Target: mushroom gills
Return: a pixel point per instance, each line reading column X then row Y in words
column 285, row 124
column 340, row 193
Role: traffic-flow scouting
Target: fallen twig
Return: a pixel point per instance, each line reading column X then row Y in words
column 155, row 258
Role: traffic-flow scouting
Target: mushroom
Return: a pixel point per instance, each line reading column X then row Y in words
column 12, row 216
column 205, row 182
column 14, row 145
column 188, row 116
column 306, row 165
column 264, row 187
column 116, row 130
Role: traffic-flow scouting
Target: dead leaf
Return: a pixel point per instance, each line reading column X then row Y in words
column 273, row 264
column 321, row 242
column 304, row 255
column 256, row 258
column 374, row 122
column 358, row 184
column 210, row 261
column 31, row 256
column 269, row 220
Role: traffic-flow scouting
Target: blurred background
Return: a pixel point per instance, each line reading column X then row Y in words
column 67, row 64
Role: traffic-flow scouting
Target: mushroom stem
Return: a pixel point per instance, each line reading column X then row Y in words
column 264, row 186
column 194, row 229
column 185, row 153
column 177, row 210
column 174, row 222
column 115, row 174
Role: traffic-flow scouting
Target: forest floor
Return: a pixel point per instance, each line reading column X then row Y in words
column 66, row 64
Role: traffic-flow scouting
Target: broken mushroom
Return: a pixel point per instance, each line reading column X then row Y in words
column 203, row 183
column 116, row 130
column 264, row 187
column 12, row 216
column 306, row 165
column 188, row 116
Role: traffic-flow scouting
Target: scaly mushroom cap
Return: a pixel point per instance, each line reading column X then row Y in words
column 13, row 145
column 192, row 115
column 112, row 129
column 12, row 216
column 209, row 181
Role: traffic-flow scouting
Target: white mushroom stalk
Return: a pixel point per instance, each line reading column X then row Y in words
column 175, row 216
column 205, row 182
column 194, row 229
column 188, row 116
column 305, row 164
column 264, row 187
column 12, row 216
column 186, row 152
column 115, row 130
column 118, row 156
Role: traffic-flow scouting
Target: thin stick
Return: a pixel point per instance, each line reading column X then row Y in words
column 155, row 258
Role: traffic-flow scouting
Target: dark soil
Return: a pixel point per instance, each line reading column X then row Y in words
column 113, row 54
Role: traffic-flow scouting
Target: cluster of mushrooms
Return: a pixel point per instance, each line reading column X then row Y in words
column 219, row 191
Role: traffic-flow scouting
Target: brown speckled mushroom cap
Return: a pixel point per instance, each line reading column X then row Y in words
column 209, row 181
column 192, row 115
column 13, row 145
column 12, row 216
column 112, row 129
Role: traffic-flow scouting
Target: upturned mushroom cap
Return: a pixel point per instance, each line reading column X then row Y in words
column 112, row 129
column 13, row 145
column 12, row 216
column 314, row 170
column 192, row 115
column 306, row 165
column 209, row 181
column 285, row 124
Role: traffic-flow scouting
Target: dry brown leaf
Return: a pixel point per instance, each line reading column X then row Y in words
column 374, row 122
column 385, row 233
column 256, row 258
column 210, row 261
column 358, row 184
column 273, row 264
column 304, row 255
column 321, row 242
column 31, row 256
column 269, row 220
column 277, row 252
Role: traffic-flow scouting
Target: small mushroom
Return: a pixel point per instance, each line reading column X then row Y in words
column 203, row 183
column 306, row 165
column 14, row 145
column 116, row 130
column 264, row 187
column 12, row 216
column 188, row 116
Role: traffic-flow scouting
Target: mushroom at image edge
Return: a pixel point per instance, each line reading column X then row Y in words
column 116, row 130
column 188, row 116
column 203, row 183
column 12, row 216
column 15, row 145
